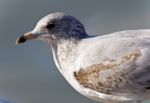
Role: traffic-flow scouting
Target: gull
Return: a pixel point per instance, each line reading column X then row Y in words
column 110, row 68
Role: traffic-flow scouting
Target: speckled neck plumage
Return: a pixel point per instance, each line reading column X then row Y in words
column 64, row 52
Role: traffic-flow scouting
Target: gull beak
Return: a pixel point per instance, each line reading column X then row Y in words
column 26, row 37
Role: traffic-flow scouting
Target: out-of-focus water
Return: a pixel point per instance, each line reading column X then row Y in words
column 27, row 72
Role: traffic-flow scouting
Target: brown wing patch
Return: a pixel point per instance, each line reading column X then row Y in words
column 91, row 77
column 132, row 56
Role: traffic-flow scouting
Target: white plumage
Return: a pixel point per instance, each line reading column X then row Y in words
column 110, row 68
column 111, row 49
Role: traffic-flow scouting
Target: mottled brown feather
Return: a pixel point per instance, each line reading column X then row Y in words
column 91, row 76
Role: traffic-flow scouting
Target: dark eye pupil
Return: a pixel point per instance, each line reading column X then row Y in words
column 49, row 26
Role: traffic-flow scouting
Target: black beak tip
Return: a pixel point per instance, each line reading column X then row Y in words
column 21, row 39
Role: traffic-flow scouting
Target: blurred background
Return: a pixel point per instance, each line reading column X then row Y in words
column 27, row 72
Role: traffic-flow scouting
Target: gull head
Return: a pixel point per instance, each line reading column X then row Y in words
column 55, row 27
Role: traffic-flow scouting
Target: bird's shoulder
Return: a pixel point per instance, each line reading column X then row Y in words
column 113, row 46
column 108, row 64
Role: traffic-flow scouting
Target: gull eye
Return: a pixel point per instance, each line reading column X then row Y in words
column 49, row 26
